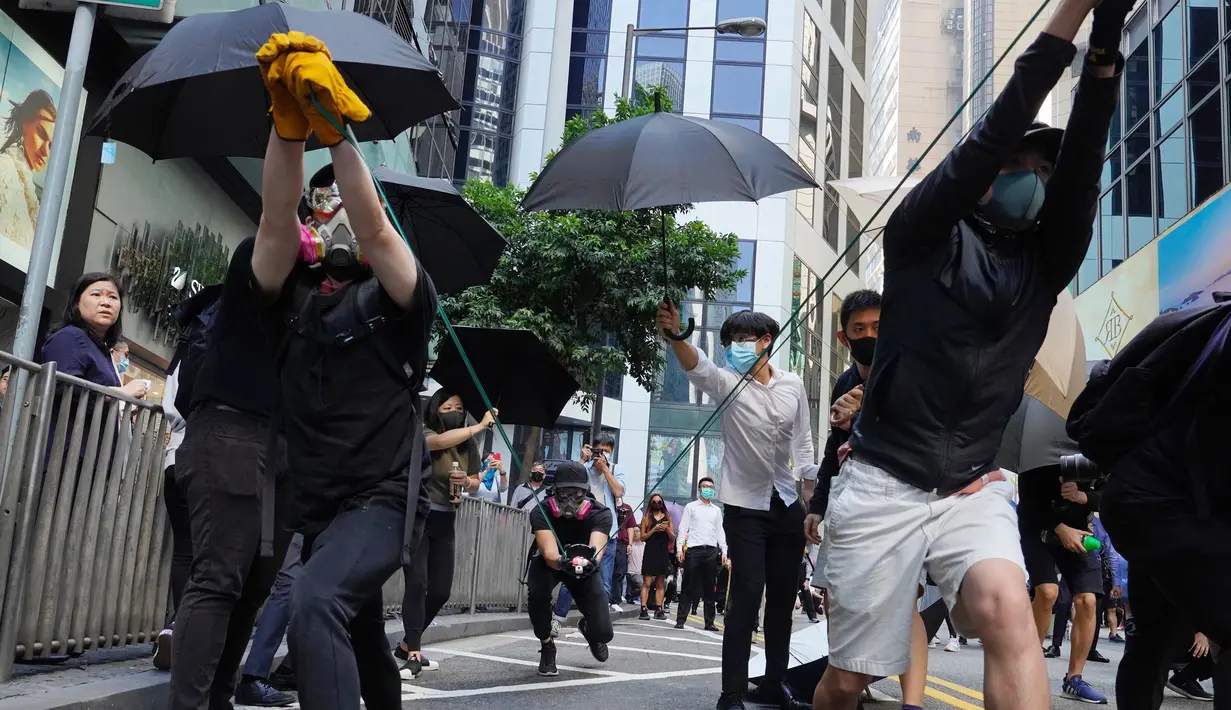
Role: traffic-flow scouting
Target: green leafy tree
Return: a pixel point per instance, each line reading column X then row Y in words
column 588, row 282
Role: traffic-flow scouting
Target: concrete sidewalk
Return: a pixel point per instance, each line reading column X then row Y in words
column 133, row 684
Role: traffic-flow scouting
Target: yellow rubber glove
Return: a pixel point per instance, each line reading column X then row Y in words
column 289, row 120
column 309, row 74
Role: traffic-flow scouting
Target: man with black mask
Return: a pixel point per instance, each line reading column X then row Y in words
column 355, row 310
column 569, row 541
column 974, row 258
column 524, row 495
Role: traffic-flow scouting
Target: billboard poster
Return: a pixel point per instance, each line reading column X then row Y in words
column 29, row 88
column 1194, row 257
column 1120, row 304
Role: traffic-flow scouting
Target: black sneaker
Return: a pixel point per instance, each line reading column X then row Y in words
column 283, row 678
column 411, row 669
column 162, row 650
column 730, row 701
column 660, row 615
column 711, row 627
column 547, row 660
column 679, row 624
column 645, row 614
column 1053, row 652
column 258, row 693
column 1095, row 657
column 1189, row 688
column 597, row 649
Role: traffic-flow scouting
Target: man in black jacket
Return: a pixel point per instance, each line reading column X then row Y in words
column 974, row 258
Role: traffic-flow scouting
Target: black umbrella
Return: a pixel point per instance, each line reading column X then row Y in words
column 1034, row 438
column 456, row 245
column 521, row 376
column 199, row 92
column 663, row 159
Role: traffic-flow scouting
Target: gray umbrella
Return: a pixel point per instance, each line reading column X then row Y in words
column 662, row 159
column 199, row 92
column 1034, row 438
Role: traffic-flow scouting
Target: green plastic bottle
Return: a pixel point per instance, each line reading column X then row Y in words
column 1091, row 543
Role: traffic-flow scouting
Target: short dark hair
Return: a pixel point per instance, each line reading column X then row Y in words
column 857, row 301
column 72, row 312
column 704, row 479
column 605, row 439
column 743, row 323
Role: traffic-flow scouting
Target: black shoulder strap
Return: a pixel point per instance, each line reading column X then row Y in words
column 414, row 481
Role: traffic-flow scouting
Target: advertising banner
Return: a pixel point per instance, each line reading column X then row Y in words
column 1194, row 257
column 1120, row 304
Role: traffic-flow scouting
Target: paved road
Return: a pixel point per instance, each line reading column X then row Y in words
column 652, row 664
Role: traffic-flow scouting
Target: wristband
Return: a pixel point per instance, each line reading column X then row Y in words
column 1102, row 57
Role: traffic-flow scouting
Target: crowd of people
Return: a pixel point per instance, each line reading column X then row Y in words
column 302, row 481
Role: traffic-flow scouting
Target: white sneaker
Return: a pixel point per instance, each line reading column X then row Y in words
column 617, row 608
column 555, row 627
column 933, row 643
column 952, row 646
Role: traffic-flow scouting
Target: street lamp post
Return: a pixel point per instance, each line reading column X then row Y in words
column 742, row 26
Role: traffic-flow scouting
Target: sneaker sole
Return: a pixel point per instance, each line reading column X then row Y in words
column 1184, row 693
column 1078, row 698
column 407, row 675
column 549, row 674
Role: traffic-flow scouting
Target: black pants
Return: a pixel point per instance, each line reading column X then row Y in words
column 1174, row 585
column 806, row 600
column 181, row 537
column 589, row 595
column 720, row 589
column 700, row 577
column 219, row 468
column 619, row 574
column 337, row 630
column 764, row 548
column 271, row 628
column 429, row 578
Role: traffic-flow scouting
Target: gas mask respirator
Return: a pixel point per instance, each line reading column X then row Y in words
column 330, row 240
column 572, row 503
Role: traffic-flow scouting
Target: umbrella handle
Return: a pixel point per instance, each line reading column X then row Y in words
column 692, row 325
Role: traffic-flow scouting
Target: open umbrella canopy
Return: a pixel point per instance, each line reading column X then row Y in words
column 1034, row 438
column 663, row 159
column 455, row 244
column 199, row 92
column 520, row 375
column 1059, row 371
column 865, row 195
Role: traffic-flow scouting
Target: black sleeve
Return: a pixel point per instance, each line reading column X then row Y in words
column 951, row 191
column 412, row 328
column 829, row 463
column 598, row 521
column 537, row 521
column 1093, row 498
column 1067, row 222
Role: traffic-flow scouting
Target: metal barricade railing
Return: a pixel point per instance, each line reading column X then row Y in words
column 490, row 545
column 84, row 545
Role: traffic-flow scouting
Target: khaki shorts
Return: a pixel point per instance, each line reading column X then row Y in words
column 882, row 538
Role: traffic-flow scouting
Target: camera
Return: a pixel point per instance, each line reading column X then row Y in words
column 1079, row 469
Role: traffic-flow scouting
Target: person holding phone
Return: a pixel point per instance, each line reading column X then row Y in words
column 493, row 479
column 659, row 535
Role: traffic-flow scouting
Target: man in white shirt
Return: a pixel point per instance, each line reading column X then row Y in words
column 766, row 440
column 703, row 549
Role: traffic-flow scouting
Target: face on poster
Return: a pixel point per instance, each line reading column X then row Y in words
column 29, row 88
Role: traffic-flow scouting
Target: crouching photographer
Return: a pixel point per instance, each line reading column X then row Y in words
column 1054, row 514
column 580, row 525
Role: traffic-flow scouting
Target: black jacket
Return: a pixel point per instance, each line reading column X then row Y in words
column 965, row 309
column 846, row 382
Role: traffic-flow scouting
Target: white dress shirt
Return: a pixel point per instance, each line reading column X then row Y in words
column 702, row 526
column 764, row 429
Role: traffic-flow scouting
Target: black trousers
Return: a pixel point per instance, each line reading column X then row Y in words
column 589, row 595
column 429, row 577
column 1174, row 586
column 218, row 467
column 806, row 601
column 764, row 548
column 700, row 578
column 179, row 521
column 337, row 630
column 619, row 574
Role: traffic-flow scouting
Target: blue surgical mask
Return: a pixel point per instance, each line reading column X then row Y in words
column 742, row 356
column 1016, row 200
column 122, row 367
column 707, row 493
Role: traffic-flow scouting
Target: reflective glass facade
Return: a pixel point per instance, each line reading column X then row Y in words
column 493, row 32
column 587, row 70
column 660, row 57
column 739, row 68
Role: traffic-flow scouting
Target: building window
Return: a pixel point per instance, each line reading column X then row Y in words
column 709, row 315
column 587, row 73
column 660, row 57
column 855, row 159
column 435, row 144
column 808, row 340
column 489, row 92
column 809, row 87
column 982, row 54
column 673, row 469
column 859, row 38
column 852, row 236
column 837, row 19
column 739, row 68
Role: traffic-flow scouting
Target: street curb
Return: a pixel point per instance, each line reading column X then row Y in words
column 147, row 690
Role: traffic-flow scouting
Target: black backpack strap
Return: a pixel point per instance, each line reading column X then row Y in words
column 413, row 484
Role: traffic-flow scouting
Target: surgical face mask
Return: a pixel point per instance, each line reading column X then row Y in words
column 453, row 420
column 742, row 355
column 122, row 367
column 707, row 493
column 862, row 349
column 1016, row 200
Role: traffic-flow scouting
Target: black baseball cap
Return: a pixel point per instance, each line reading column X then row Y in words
column 571, row 474
column 1043, row 138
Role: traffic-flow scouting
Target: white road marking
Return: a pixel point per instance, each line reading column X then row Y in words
column 556, row 685
column 626, row 648
column 668, row 638
column 518, row 661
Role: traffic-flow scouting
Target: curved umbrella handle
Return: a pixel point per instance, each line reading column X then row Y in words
column 692, row 325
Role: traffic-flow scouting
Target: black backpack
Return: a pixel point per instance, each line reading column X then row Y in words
column 1133, row 395
column 195, row 317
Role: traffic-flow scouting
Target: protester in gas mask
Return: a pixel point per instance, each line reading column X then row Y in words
column 570, row 538
column 974, row 258
column 456, row 464
column 325, row 329
column 527, row 495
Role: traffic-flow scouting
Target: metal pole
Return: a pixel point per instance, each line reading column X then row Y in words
column 630, row 42
column 56, row 182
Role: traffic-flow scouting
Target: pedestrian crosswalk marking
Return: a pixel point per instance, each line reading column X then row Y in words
column 513, row 661
column 630, row 649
